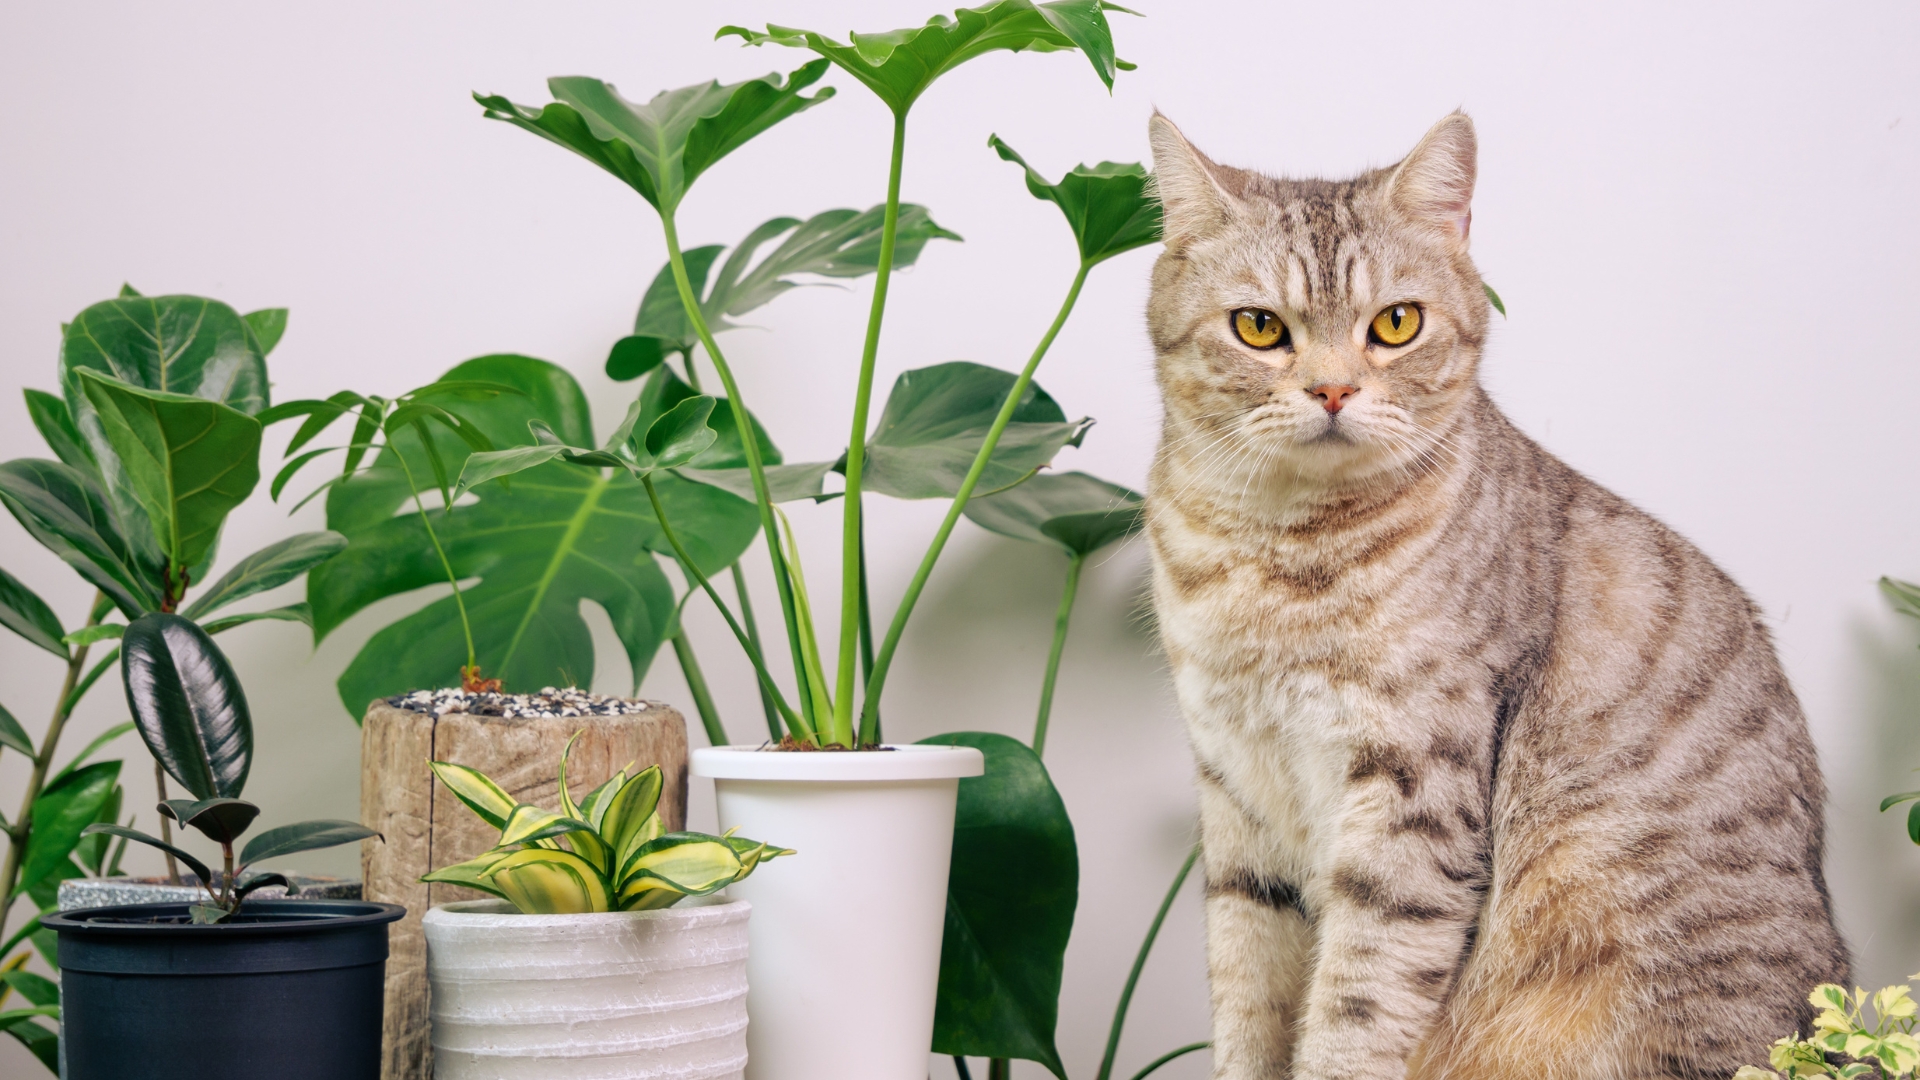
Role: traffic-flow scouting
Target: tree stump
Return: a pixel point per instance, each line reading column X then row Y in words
column 426, row 827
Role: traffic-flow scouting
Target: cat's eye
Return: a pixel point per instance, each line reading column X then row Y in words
column 1396, row 325
column 1260, row 328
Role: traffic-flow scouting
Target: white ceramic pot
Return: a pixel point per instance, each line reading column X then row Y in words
column 846, row 933
column 624, row 995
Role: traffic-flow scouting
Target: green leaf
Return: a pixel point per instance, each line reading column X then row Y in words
column 528, row 820
column 624, row 822
column 219, row 820
column 187, row 461
column 680, row 436
column 93, row 635
column 92, row 748
column 1010, row 899
column 635, row 355
column 691, row 864
column 41, row 1042
column 70, row 516
column 91, row 851
column 35, row 988
column 1890, row 801
column 12, row 735
column 62, row 810
column 267, row 325
column 1494, row 299
column 899, row 65
column 188, row 703
column 1108, row 205
column 24, row 613
column 54, row 421
column 1073, row 511
column 560, row 535
column 936, row 419
column 305, row 836
column 1913, row 823
column 785, row 483
column 269, row 568
column 543, row 881
column 473, row 874
column 1905, row 596
column 297, row 612
column 261, row 881
column 661, row 147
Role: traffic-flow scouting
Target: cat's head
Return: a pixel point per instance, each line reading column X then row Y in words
column 1310, row 328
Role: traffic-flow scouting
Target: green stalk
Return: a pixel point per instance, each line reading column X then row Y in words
column 1053, row 658
column 797, row 724
column 1169, row 1056
column 1133, row 977
column 870, row 711
column 740, row 585
column 22, row 828
column 857, row 449
column 763, row 500
column 999, row 1069
column 866, row 625
column 697, row 686
column 446, row 563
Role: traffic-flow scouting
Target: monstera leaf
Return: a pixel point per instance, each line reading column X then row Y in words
column 936, row 420
column 538, row 544
column 834, row 243
column 899, row 65
column 661, row 147
column 1107, row 205
column 1011, row 892
column 1077, row 513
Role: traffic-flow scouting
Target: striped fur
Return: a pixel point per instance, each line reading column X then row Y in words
column 1499, row 777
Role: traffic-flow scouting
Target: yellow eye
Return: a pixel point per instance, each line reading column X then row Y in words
column 1396, row 325
column 1260, row 328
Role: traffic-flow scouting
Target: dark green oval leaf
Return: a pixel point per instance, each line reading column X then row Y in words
column 1011, row 892
column 219, row 820
column 636, row 354
column 12, row 735
column 61, row 812
column 269, row 568
column 1074, row 511
column 199, row 868
column 188, row 704
column 305, row 836
column 24, row 613
column 1107, row 205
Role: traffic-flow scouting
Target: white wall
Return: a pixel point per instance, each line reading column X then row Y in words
column 1702, row 223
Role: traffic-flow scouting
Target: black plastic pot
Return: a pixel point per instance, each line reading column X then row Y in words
column 290, row 990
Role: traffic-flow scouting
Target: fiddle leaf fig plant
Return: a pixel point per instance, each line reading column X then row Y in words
column 192, row 714
column 608, row 852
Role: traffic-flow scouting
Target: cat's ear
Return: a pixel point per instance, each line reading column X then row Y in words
column 1192, row 202
column 1434, row 185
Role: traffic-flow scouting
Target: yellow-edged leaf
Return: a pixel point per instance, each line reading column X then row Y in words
column 648, row 893
column 628, row 810
column 694, row 863
column 471, row 786
column 541, row 881
column 594, row 806
column 472, row 874
column 1893, row 1002
column 567, row 806
column 529, row 824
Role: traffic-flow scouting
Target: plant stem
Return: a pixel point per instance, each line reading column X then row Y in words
column 870, row 712
column 999, row 1069
column 1139, row 962
column 1169, row 1056
column 794, row 722
column 166, row 830
column 753, row 635
column 857, row 448
column 1053, row 657
column 697, row 686
column 960, row 1068
column 22, row 828
column 866, row 627
column 447, row 564
column 750, row 446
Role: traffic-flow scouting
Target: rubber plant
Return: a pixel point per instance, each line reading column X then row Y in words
column 608, row 852
column 950, row 431
column 192, row 714
column 152, row 443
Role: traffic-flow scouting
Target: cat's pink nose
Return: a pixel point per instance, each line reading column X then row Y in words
column 1333, row 396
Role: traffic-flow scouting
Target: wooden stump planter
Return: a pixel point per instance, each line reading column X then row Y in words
column 427, row 828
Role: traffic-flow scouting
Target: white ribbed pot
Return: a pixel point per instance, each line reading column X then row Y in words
column 624, row 995
column 846, row 933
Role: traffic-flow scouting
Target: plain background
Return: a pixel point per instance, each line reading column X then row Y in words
column 1701, row 220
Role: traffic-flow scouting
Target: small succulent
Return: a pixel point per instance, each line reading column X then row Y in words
column 609, row 852
column 190, row 710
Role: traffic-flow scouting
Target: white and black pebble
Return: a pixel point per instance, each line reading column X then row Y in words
column 571, row 701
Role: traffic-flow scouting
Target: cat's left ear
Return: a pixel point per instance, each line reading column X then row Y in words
column 1434, row 185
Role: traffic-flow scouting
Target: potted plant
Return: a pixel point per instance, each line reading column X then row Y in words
column 583, row 966
column 953, row 431
column 101, row 501
column 158, row 990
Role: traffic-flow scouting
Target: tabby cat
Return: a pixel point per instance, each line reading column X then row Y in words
column 1499, row 777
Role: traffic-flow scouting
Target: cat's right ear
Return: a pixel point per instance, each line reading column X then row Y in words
column 1192, row 202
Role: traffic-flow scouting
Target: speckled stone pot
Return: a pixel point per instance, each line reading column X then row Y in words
column 77, row 893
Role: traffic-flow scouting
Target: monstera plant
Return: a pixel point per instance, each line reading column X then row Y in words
column 152, row 442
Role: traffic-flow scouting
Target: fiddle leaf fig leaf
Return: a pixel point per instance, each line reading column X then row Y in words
column 529, row 551
column 936, row 419
column 67, row 512
column 54, row 421
column 188, row 704
column 1072, row 511
column 661, row 147
column 269, row 568
column 1108, row 205
column 899, row 65
column 1006, row 936
column 267, row 325
column 187, row 461
column 24, row 613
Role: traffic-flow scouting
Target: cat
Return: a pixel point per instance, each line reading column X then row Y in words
column 1498, row 776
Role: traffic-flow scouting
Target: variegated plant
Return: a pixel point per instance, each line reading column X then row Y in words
column 609, row 852
column 1841, row 1029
